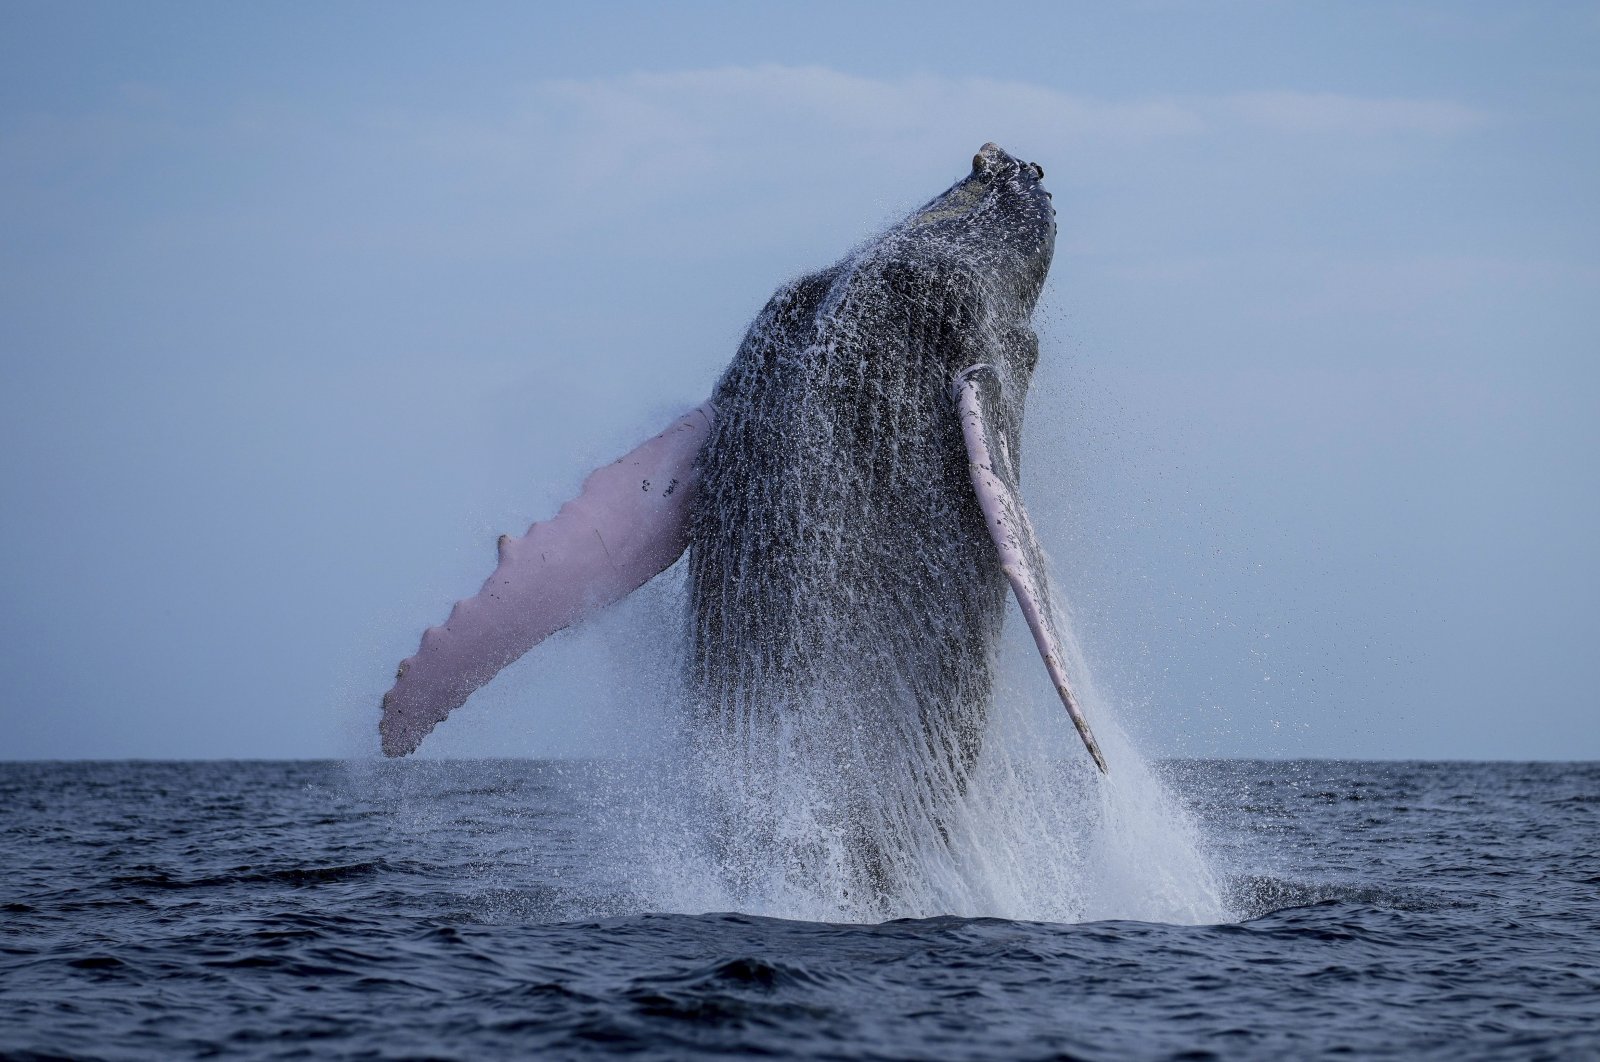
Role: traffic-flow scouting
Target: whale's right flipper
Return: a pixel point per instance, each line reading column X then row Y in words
column 994, row 477
column 628, row 524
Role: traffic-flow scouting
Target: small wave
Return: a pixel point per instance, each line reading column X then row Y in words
column 293, row 876
column 1256, row 897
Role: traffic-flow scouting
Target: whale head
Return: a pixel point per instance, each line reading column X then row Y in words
column 952, row 284
column 997, row 223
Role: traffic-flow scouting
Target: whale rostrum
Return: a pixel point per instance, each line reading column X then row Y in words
column 849, row 498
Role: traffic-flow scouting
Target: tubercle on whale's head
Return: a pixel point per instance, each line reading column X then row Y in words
column 999, row 220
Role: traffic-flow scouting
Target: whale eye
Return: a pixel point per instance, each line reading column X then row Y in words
column 1037, row 171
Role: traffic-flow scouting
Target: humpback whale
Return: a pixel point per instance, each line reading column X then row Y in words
column 849, row 499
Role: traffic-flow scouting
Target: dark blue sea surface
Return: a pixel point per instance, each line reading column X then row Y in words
column 461, row 910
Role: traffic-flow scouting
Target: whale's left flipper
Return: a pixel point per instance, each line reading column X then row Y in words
column 995, row 479
column 627, row 525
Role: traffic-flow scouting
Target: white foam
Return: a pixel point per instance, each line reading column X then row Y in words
column 1038, row 833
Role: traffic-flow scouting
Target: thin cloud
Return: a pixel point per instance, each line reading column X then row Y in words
column 1330, row 113
column 849, row 102
column 682, row 124
column 659, row 136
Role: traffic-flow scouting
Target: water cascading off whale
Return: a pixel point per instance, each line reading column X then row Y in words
column 849, row 499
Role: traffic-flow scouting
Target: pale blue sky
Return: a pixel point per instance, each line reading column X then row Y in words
column 301, row 305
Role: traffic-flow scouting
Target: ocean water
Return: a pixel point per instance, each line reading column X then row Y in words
column 517, row 909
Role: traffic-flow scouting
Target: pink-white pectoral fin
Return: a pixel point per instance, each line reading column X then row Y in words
column 627, row 525
column 977, row 392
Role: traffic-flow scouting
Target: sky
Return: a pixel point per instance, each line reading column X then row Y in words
column 301, row 305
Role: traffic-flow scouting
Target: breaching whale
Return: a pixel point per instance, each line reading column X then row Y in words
column 849, row 498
